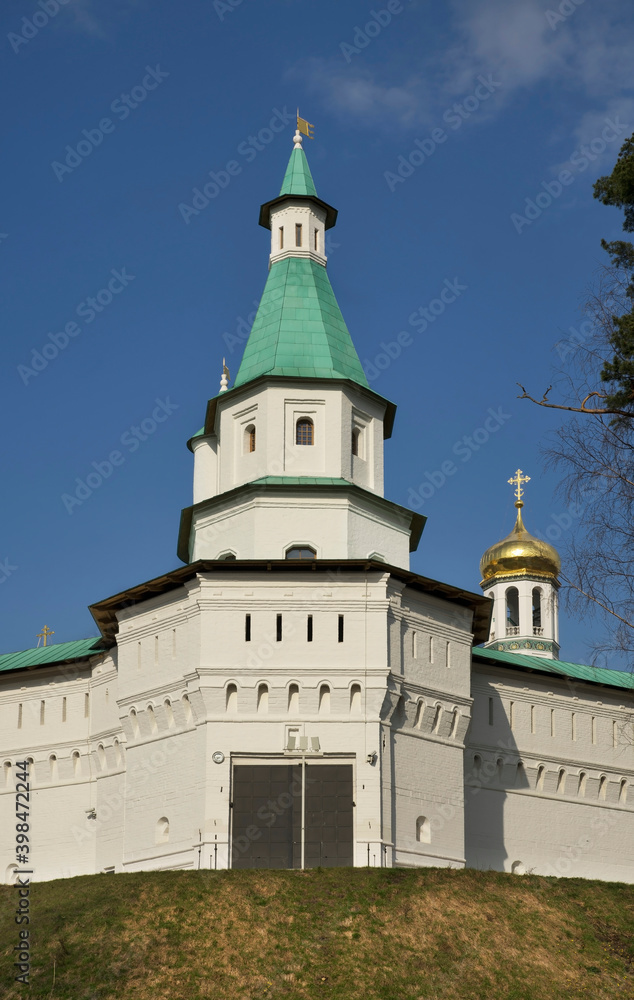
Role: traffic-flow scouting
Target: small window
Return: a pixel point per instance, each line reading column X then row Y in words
column 76, row 763
column 355, row 440
column 52, row 761
column 423, row 830
column 42, row 712
column 20, row 716
column 340, row 629
column 187, row 708
column 512, row 608
column 135, row 722
column 437, row 718
column 304, row 431
column 293, row 698
column 324, row 698
column 298, row 234
column 152, row 719
column 162, row 830
column 532, row 718
column 301, row 552
column 169, row 715
column 249, row 438
column 581, row 789
column 281, row 237
column 263, row 698
column 232, row 698
column 86, row 705
column 278, row 628
column 247, row 628
column 561, row 781
column 623, row 791
column 309, row 629
column 603, row 787
column 541, row 773
column 490, row 711
column 101, row 756
column 420, row 711
column 355, row 698
column 414, row 643
column 316, row 241
column 8, row 774
column 63, row 709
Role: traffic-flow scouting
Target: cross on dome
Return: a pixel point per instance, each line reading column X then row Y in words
column 517, row 481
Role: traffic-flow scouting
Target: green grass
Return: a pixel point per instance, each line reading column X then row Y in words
column 336, row 934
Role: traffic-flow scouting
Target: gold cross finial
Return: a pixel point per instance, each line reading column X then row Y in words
column 44, row 634
column 517, row 481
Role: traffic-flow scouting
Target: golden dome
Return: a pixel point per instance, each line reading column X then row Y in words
column 519, row 554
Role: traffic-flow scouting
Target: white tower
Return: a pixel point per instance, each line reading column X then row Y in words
column 520, row 574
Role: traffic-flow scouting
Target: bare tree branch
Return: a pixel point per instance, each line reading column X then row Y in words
column 575, row 409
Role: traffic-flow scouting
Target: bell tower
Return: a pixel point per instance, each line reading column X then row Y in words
column 520, row 574
column 290, row 458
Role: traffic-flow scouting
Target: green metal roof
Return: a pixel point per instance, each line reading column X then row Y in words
column 579, row 671
column 300, row 481
column 58, row 652
column 299, row 330
column 298, row 178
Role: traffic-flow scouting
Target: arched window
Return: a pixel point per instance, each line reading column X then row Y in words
column 162, row 834
column 169, row 713
column 101, row 756
column 76, row 758
column 135, row 722
column 420, row 711
column 324, row 698
column 423, row 830
column 512, row 610
column 118, row 756
column 263, row 698
column 561, row 781
column 581, row 789
column 232, row 698
column 355, row 698
column 293, row 698
column 8, row 773
column 52, row 762
column 477, row 764
column 152, row 718
column 304, row 431
column 437, row 718
column 499, row 770
column 301, row 552
column 623, row 791
column 187, row 708
column 541, row 772
column 520, row 776
column 249, row 438
column 537, row 609
column 603, row 787
column 454, row 723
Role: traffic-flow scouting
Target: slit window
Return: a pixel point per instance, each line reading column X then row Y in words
column 42, row 712
column 281, row 237
column 298, row 234
column 63, row 709
column 309, row 629
column 340, row 629
column 247, row 628
column 278, row 628
column 304, row 431
column 249, row 438
column 490, row 711
column 20, row 716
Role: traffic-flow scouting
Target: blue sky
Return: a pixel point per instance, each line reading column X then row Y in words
column 481, row 103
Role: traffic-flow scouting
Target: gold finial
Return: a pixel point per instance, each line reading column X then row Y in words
column 517, row 481
column 44, row 634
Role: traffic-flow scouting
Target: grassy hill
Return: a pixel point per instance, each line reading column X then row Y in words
column 349, row 934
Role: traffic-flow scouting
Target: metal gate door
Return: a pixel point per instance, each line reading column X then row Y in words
column 269, row 801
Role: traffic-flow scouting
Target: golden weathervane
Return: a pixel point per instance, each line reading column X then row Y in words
column 517, row 481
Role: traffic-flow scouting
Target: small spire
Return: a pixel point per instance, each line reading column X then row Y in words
column 224, row 381
column 517, row 481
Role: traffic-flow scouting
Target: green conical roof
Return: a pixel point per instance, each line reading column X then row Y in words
column 299, row 330
column 298, row 178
